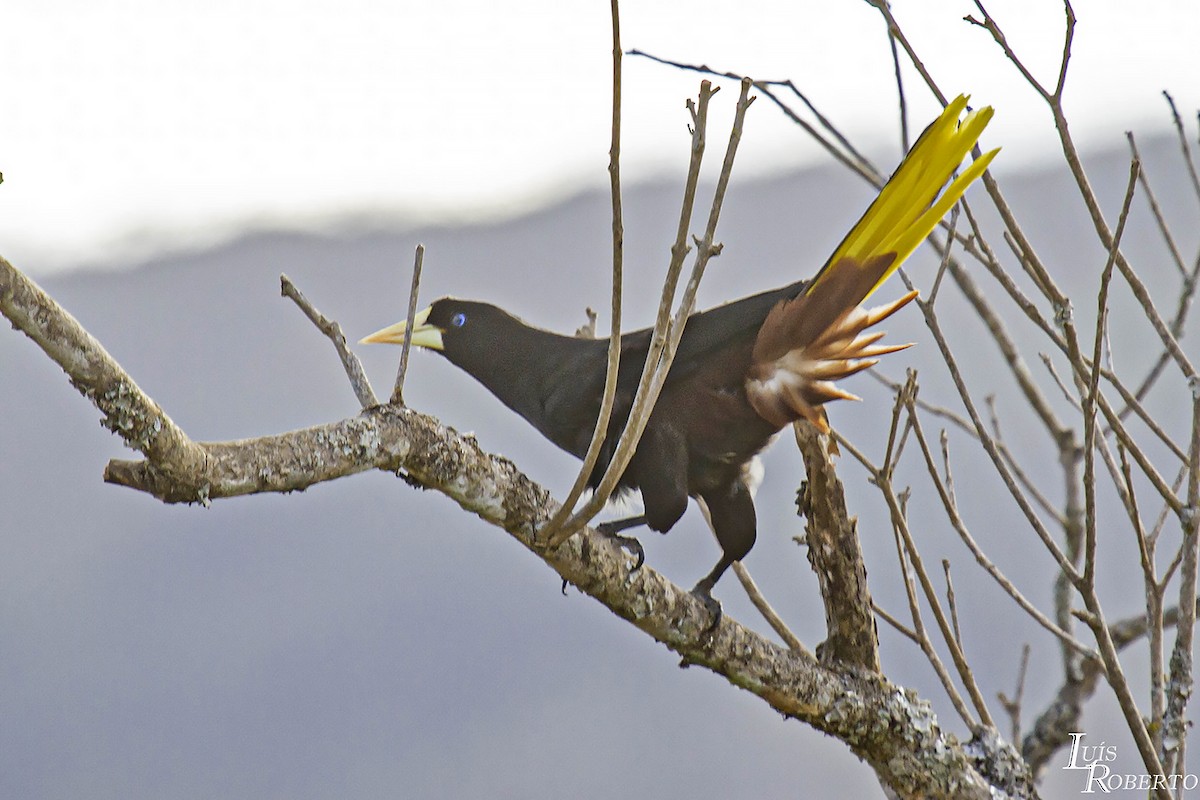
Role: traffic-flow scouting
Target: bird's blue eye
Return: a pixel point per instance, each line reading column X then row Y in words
column 458, row 320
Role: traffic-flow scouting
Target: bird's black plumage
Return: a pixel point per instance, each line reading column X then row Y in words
column 742, row 370
column 701, row 433
column 555, row 382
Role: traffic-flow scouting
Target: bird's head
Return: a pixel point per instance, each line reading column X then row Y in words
column 470, row 334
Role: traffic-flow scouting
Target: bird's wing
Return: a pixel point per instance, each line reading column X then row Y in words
column 570, row 398
column 706, row 333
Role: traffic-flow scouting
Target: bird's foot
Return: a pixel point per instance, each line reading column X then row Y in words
column 703, row 593
column 627, row 543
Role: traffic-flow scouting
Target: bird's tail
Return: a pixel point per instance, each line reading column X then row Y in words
column 809, row 342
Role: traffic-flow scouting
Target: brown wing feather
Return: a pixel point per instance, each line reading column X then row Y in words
column 807, row 343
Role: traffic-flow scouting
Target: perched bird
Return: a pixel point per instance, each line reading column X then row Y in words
column 742, row 371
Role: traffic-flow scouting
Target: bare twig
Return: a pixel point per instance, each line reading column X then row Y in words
column 980, row 557
column 956, row 419
column 1093, row 390
column 1165, row 511
column 1054, row 101
column 1030, row 485
column 1008, row 349
column 769, row 614
column 966, row 427
column 1012, row 706
column 882, row 478
column 1183, row 143
column 843, row 151
column 1059, row 382
column 1183, row 305
column 564, row 524
column 951, row 602
column 1191, row 279
column 944, row 441
column 1179, row 684
column 1051, row 730
column 555, row 527
column 414, row 288
column 904, row 142
column 657, row 368
column 1040, row 276
column 904, row 557
column 1156, row 210
column 896, row 624
column 897, row 34
column 1154, row 604
column 989, row 444
column 354, row 371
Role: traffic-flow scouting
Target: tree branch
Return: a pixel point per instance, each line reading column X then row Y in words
column 354, row 371
column 128, row 411
column 554, row 530
column 836, row 557
column 890, row 728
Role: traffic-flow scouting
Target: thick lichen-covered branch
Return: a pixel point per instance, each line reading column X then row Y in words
column 889, row 727
column 128, row 411
column 836, row 557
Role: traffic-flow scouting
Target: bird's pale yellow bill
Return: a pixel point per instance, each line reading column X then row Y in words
column 423, row 334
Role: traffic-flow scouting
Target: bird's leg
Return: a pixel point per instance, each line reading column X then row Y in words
column 612, row 530
column 703, row 593
column 730, row 512
column 615, row 526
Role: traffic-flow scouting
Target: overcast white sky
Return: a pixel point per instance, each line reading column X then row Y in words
column 128, row 121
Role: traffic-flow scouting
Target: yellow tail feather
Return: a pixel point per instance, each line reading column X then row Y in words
column 908, row 207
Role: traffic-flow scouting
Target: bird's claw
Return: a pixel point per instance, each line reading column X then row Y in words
column 627, row 543
column 712, row 605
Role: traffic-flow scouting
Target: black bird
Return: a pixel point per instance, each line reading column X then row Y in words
column 742, row 371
